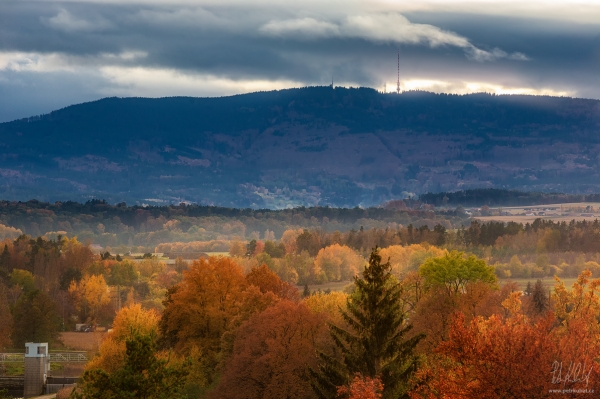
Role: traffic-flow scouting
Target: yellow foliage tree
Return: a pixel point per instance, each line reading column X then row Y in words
column 593, row 267
column 237, row 249
column 582, row 302
column 409, row 258
column 338, row 262
column 150, row 267
column 133, row 318
column 327, row 303
column 90, row 294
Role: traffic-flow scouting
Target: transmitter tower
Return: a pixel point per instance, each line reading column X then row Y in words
column 398, row 83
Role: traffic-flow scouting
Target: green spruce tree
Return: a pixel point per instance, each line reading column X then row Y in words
column 539, row 297
column 376, row 343
column 306, row 292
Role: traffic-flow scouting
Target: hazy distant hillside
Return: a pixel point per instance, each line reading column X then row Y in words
column 311, row 146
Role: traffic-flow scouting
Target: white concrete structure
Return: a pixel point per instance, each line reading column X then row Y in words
column 37, row 365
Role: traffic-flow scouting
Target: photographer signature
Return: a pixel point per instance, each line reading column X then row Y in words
column 575, row 373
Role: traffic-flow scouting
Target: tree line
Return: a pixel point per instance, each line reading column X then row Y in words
column 142, row 228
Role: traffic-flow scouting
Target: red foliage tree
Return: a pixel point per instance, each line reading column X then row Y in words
column 271, row 355
column 362, row 388
column 513, row 356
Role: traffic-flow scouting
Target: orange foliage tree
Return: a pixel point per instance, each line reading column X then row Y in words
column 267, row 281
column 214, row 297
column 203, row 311
column 202, row 307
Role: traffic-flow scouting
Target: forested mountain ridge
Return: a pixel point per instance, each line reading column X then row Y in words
column 310, row 146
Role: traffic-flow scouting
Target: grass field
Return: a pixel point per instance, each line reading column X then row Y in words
column 217, row 253
column 530, row 219
column 79, row 341
column 547, row 281
column 556, row 212
column 334, row 286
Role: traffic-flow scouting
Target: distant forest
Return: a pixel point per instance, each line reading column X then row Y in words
column 101, row 223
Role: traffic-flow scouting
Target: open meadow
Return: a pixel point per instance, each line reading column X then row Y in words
column 81, row 341
column 335, row 286
column 556, row 212
column 547, row 282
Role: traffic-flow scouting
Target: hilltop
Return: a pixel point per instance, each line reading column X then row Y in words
column 309, row 146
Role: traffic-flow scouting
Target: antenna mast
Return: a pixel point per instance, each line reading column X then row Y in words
column 398, row 84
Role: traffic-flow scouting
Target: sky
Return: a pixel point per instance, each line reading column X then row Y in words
column 57, row 53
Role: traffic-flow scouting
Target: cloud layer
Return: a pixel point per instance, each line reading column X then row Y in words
column 381, row 28
column 53, row 53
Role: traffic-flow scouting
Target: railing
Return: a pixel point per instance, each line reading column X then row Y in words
column 68, row 357
column 12, row 357
column 63, row 357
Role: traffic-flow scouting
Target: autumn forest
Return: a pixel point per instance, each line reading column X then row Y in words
column 401, row 301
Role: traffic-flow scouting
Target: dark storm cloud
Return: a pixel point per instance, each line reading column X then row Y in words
column 55, row 53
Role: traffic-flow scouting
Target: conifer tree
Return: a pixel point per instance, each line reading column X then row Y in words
column 539, row 298
column 5, row 269
column 306, row 292
column 375, row 345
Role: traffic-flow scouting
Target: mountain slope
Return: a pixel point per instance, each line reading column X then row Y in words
column 309, row 146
